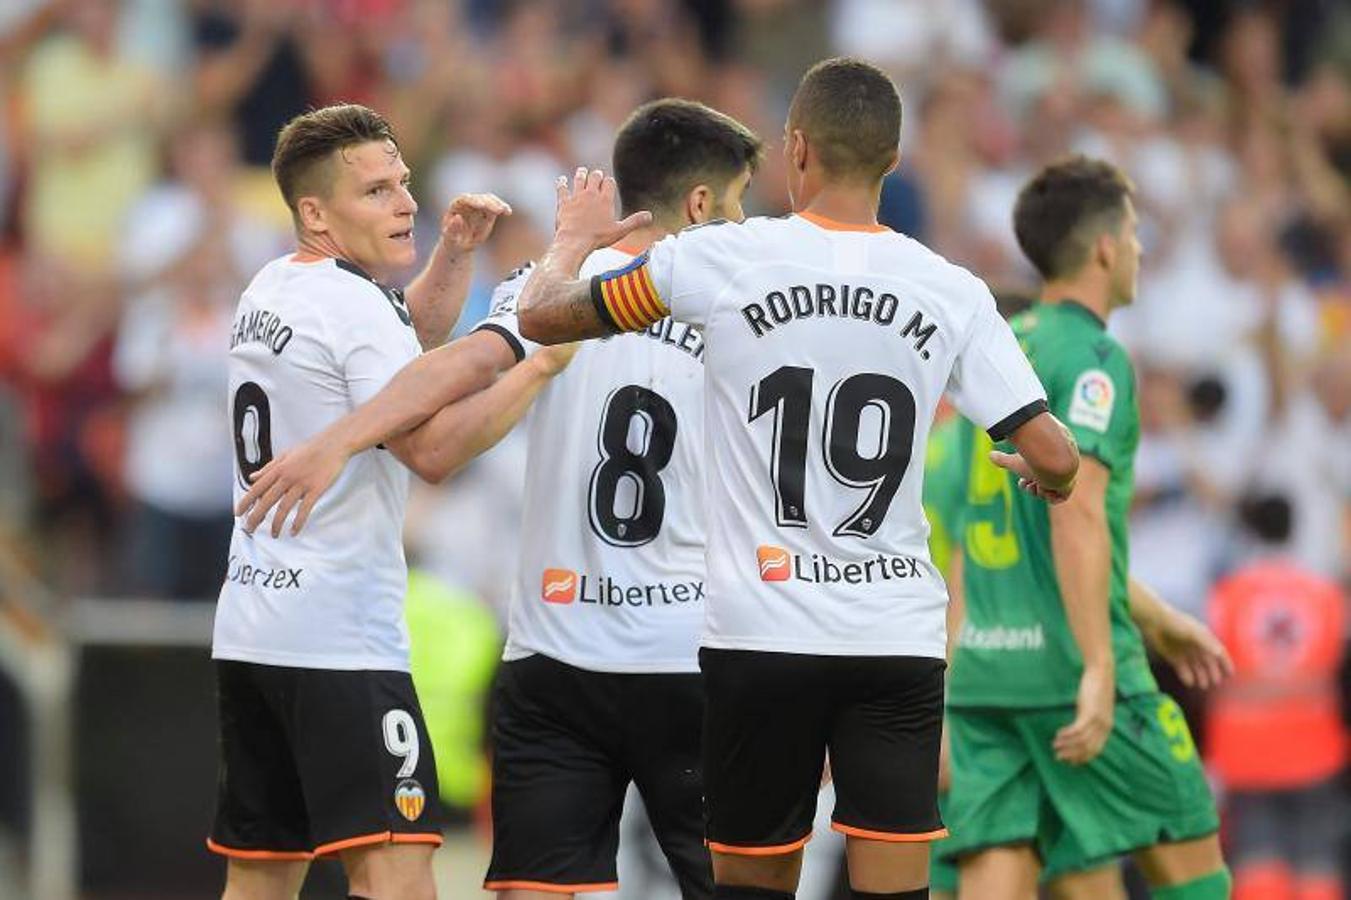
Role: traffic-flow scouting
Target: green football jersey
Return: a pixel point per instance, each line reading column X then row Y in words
column 944, row 490
column 1015, row 647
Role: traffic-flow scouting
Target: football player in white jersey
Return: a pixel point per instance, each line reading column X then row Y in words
column 600, row 686
column 828, row 343
column 323, row 747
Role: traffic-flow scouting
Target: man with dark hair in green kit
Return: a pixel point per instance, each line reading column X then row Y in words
column 1065, row 754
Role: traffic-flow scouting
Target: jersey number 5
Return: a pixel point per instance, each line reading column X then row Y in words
column 637, row 438
column 787, row 393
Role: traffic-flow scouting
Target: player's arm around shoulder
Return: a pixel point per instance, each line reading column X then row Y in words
column 461, row 431
column 297, row 478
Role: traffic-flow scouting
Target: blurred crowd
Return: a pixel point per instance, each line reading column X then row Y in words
column 135, row 203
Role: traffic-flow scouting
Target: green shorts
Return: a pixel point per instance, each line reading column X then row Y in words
column 1146, row 787
column 942, row 871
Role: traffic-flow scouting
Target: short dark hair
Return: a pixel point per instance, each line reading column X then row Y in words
column 1063, row 210
column 850, row 112
column 668, row 147
column 307, row 142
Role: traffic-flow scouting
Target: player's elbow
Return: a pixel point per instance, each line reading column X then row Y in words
column 429, row 463
column 533, row 325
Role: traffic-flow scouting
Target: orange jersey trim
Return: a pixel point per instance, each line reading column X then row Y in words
column 273, row 855
column 775, row 850
column 549, row 887
column 836, row 225
column 891, row 837
column 381, row 837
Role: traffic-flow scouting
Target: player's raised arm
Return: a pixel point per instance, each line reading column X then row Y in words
column 436, row 297
column 555, row 305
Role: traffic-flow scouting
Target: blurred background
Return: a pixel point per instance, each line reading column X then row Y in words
column 135, row 203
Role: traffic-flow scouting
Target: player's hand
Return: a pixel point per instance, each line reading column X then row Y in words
column 469, row 220
column 1083, row 739
column 1192, row 649
column 554, row 359
column 1027, row 480
column 293, row 481
column 586, row 211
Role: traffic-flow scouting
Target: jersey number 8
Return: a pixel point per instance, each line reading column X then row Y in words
column 637, row 437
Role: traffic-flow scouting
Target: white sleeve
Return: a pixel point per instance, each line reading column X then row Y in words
column 373, row 339
column 502, row 319
column 685, row 270
column 677, row 276
column 992, row 383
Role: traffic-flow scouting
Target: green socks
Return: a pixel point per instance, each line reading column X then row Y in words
column 1218, row 885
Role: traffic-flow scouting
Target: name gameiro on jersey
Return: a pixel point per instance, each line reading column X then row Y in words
column 611, row 570
column 828, row 348
column 311, row 341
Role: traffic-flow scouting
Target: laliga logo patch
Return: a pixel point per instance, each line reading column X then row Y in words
column 1092, row 399
column 775, row 563
column 558, row 586
column 410, row 799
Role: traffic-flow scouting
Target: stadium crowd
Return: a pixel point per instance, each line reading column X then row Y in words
column 135, row 201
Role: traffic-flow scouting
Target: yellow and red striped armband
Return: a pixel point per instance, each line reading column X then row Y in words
column 626, row 299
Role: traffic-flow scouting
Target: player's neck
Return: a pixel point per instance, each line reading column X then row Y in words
column 1077, row 290
column 846, row 204
column 636, row 242
column 314, row 247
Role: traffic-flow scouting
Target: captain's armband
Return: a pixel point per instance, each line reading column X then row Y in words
column 626, row 299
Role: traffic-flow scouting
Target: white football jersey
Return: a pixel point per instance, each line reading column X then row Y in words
column 312, row 341
column 611, row 571
column 828, row 349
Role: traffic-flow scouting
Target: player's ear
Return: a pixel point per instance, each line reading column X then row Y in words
column 797, row 149
column 1105, row 250
column 310, row 213
column 699, row 204
column 895, row 161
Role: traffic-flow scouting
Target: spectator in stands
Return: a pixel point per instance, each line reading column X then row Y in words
column 186, row 247
column 91, row 118
column 1275, row 734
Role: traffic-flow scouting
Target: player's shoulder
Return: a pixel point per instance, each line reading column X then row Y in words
column 920, row 262
column 1071, row 336
column 503, row 300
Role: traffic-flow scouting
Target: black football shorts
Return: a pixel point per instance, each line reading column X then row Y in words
column 317, row 761
column 566, row 744
column 771, row 717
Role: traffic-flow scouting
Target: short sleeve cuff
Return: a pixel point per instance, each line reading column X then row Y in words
column 1012, row 422
column 505, row 333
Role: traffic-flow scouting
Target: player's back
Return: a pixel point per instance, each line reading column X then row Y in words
column 1015, row 647
column 611, row 570
column 311, row 341
column 828, row 349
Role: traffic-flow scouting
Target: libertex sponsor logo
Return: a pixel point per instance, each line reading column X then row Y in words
column 777, row 564
column 564, row 586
